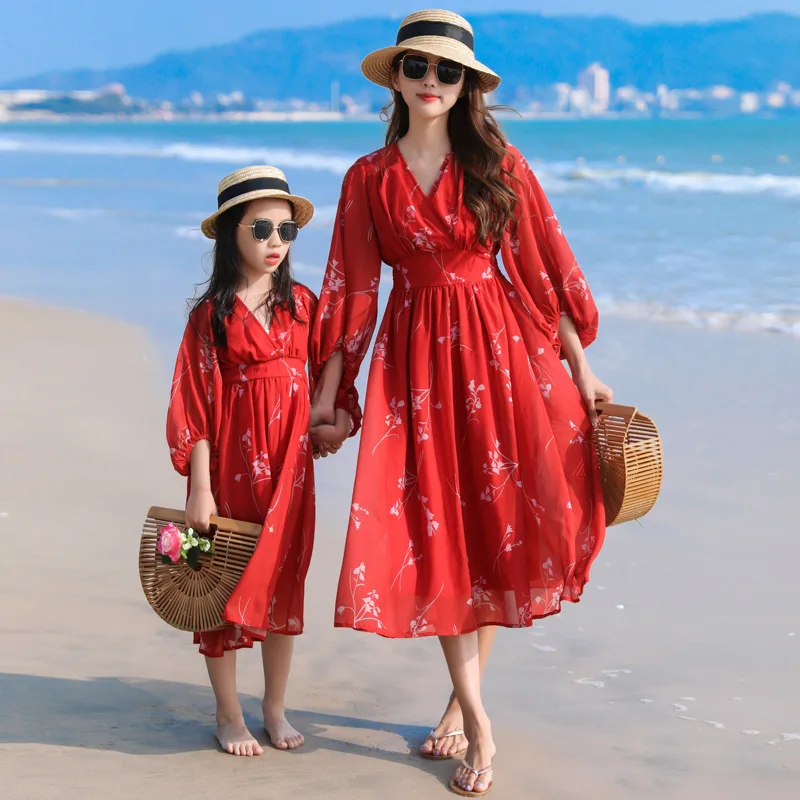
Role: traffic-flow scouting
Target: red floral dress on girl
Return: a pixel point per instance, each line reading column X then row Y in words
column 477, row 498
column 251, row 401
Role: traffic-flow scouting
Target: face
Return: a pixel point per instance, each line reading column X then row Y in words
column 260, row 258
column 427, row 98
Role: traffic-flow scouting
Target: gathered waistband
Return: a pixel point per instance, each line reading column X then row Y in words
column 443, row 268
column 289, row 367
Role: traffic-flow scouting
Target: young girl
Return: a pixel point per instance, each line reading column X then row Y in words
column 238, row 427
column 477, row 501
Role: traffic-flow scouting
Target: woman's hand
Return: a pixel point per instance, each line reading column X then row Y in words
column 199, row 507
column 592, row 390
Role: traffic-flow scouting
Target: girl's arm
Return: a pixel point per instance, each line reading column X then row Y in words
column 192, row 415
column 200, row 505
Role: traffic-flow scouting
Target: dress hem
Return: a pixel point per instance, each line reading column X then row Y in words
column 427, row 634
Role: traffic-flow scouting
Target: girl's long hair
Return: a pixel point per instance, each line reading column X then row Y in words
column 227, row 274
column 480, row 148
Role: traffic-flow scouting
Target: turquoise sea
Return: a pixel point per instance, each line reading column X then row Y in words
column 692, row 222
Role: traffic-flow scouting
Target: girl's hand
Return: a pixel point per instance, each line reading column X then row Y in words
column 328, row 439
column 199, row 507
column 592, row 390
column 321, row 415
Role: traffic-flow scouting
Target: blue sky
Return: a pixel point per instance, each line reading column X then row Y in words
column 40, row 35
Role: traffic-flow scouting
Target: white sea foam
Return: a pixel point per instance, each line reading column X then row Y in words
column 786, row 186
column 555, row 176
column 288, row 158
column 746, row 321
column 189, row 232
column 76, row 214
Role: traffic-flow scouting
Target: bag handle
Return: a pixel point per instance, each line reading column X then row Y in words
column 233, row 525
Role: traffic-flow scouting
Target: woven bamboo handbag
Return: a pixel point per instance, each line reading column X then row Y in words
column 631, row 463
column 193, row 599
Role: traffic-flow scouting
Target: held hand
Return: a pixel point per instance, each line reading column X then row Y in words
column 328, row 439
column 324, row 441
column 593, row 391
column 199, row 507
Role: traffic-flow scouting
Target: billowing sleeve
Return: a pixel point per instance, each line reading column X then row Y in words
column 348, row 302
column 196, row 386
column 541, row 264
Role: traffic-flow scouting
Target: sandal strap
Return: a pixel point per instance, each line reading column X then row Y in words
column 478, row 772
column 436, row 738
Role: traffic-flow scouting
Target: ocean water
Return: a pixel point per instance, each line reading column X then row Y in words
column 693, row 222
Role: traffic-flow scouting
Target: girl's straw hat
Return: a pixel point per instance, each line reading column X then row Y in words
column 434, row 32
column 250, row 183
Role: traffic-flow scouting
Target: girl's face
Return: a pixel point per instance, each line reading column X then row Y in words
column 262, row 257
column 427, row 98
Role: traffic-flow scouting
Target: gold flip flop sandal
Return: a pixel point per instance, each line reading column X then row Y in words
column 431, row 757
column 454, row 787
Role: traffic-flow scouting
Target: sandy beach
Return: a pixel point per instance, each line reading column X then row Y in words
column 675, row 677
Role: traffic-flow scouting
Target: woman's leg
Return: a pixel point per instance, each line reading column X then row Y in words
column 453, row 719
column 276, row 653
column 463, row 661
column 231, row 732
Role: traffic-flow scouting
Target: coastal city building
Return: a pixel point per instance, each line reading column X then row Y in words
column 592, row 95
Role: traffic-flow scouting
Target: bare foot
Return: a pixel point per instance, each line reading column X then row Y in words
column 452, row 720
column 234, row 738
column 282, row 735
column 479, row 755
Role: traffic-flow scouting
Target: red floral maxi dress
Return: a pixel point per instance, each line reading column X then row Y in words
column 251, row 401
column 477, row 498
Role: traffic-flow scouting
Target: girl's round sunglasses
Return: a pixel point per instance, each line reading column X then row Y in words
column 415, row 68
column 264, row 228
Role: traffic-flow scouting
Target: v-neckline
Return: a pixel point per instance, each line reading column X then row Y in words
column 435, row 185
column 258, row 321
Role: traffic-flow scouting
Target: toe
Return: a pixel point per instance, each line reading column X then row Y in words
column 450, row 745
column 426, row 748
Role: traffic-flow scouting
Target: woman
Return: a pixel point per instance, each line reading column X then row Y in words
column 477, row 500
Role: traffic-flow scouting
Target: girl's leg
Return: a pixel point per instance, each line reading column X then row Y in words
column 276, row 653
column 463, row 661
column 453, row 719
column 231, row 732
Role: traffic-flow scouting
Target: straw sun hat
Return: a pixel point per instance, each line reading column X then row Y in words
column 252, row 183
column 434, row 32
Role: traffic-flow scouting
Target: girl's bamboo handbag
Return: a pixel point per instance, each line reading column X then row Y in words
column 193, row 599
column 631, row 465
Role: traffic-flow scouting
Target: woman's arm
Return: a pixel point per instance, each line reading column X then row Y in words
column 592, row 389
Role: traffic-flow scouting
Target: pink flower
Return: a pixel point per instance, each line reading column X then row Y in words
column 169, row 542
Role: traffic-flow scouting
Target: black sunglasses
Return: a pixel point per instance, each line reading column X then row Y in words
column 415, row 68
column 263, row 229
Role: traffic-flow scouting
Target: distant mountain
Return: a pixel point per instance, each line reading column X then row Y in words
column 527, row 50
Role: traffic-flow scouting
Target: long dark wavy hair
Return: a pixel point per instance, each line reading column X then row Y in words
column 227, row 274
column 480, row 148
